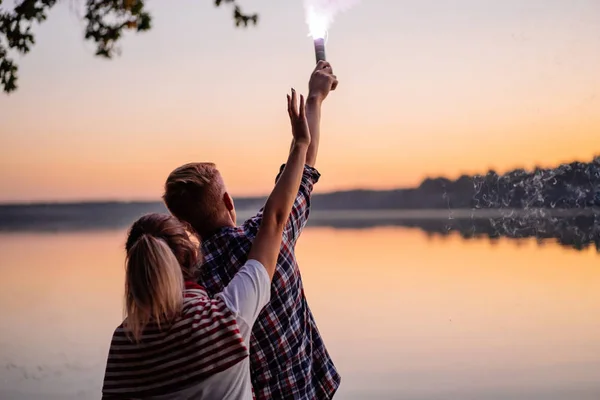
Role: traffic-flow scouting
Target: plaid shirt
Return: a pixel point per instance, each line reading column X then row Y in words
column 288, row 359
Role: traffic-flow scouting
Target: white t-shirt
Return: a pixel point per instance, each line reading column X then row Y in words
column 246, row 295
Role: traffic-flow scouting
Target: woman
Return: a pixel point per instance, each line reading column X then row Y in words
column 176, row 342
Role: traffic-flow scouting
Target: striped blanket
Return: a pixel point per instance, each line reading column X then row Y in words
column 202, row 341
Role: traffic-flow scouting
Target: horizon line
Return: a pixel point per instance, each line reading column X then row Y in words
column 148, row 201
column 264, row 196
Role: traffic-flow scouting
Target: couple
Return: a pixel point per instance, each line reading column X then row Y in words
column 228, row 320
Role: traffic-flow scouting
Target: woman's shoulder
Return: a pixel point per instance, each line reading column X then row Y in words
column 199, row 307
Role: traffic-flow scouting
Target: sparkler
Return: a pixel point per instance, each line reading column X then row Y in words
column 317, row 25
column 319, row 16
column 320, row 49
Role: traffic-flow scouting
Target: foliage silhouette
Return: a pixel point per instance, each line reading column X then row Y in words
column 107, row 21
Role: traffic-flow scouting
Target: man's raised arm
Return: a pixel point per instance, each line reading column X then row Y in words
column 322, row 81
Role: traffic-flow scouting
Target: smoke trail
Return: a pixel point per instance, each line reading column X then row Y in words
column 321, row 13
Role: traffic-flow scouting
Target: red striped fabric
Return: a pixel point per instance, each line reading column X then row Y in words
column 204, row 340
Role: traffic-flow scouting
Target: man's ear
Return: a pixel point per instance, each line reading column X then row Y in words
column 228, row 202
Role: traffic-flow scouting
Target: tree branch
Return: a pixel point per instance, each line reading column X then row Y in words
column 107, row 20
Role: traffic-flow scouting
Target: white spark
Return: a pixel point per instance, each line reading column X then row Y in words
column 321, row 13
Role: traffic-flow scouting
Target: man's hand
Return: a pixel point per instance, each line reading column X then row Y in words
column 298, row 119
column 322, row 81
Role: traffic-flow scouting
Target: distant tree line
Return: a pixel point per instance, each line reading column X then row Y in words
column 574, row 185
column 566, row 187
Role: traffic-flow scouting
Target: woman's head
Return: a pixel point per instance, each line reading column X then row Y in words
column 160, row 255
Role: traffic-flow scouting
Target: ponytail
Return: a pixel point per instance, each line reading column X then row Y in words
column 153, row 285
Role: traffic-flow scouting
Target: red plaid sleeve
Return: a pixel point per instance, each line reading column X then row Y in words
column 300, row 209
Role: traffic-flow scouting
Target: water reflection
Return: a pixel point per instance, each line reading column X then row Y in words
column 404, row 315
column 576, row 232
column 574, row 228
column 439, row 318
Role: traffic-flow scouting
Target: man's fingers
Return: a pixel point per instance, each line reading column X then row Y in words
column 322, row 65
column 334, row 83
column 289, row 105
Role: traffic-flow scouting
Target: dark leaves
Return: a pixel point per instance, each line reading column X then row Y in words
column 15, row 27
column 243, row 19
column 239, row 17
column 8, row 71
column 107, row 22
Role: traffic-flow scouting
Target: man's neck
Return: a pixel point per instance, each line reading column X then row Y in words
column 208, row 231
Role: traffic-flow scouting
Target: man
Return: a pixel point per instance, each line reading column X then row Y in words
column 288, row 359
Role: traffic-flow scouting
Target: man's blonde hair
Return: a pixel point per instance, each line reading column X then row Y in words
column 194, row 194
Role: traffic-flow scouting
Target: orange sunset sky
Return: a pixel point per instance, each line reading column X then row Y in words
column 427, row 87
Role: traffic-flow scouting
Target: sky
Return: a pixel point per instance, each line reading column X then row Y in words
column 427, row 88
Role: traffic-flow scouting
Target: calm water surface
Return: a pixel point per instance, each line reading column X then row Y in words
column 404, row 316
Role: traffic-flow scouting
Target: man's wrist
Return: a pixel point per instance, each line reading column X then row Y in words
column 300, row 145
column 309, row 173
column 314, row 99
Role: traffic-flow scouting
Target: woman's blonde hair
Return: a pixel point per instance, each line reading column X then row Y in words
column 160, row 256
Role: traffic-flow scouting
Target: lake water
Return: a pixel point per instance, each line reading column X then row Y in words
column 404, row 315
